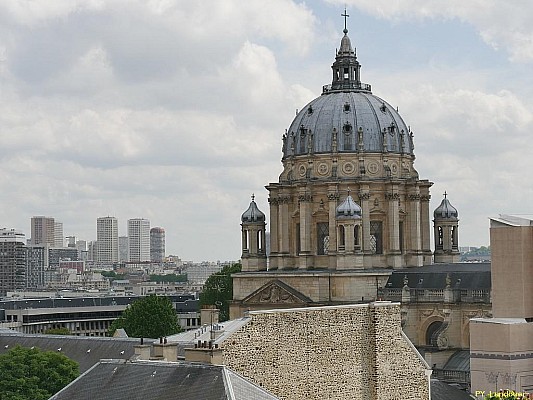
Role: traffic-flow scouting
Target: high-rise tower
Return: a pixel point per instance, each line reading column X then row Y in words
column 138, row 240
column 157, row 244
column 107, row 240
column 43, row 231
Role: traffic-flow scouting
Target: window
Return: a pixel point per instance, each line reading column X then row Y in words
column 322, row 229
column 342, row 238
column 302, row 143
column 376, row 237
column 346, row 74
column 356, row 237
column 454, row 237
column 432, row 333
column 439, row 238
column 297, row 236
column 401, row 236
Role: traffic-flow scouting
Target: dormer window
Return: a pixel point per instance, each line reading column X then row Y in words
column 310, row 110
column 347, row 128
column 346, row 107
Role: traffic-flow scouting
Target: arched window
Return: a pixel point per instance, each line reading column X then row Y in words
column 431, row 333
column 440, row 237
column 245, row 240
column 342, row 238
column 348, row 136
column 356, row 237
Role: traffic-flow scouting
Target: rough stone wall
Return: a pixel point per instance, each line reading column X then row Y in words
column 345, row 352
column 400, row 373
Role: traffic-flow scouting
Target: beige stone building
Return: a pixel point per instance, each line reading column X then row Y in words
column 501, row 348
column 349, row 206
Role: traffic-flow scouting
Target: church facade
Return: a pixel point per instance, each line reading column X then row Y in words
column 349, row 207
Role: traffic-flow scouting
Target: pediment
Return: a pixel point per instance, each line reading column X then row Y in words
column 277, row 292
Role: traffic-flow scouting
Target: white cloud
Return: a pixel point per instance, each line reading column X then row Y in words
column 174, row 110
column 502, row 24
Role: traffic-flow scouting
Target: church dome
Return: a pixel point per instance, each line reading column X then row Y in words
column 253, row 214
column 347, row 117
column 445, row 210
column 348, row 209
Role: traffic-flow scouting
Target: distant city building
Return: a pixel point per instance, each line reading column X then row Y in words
column 123, row 248
column 138, row 240
column 12, row 260
column 43, row 231
column 57, row 254
column 157, row 244
column 59, row 240
column 107, row 240
column 36, row 263
column 71, row 241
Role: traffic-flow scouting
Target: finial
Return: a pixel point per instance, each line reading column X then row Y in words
column 345, row 15
column 445, row 194
column 253, row 196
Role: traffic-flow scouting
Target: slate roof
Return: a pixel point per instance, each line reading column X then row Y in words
column 459, row 361
column 140, row 380
column 462, row 275
column 184, row 303
column 86, row 351
column 443, row 391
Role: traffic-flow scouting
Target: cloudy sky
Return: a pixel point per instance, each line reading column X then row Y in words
column 173, row 110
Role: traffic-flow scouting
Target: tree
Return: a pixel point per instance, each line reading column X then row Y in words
column 218, row 290
column 32, row 374
column 151, row 317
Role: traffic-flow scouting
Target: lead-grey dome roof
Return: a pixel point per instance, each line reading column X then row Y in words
column 253, row 214
column 348, row 209
column 362, row 121
column 445, row 210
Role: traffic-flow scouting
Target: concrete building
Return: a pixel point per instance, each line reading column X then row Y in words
column 12, row 260
column 501, row 348
column 123, row 248
column 43, row 231
column 138, row 240
column 83, row 315
column 59, row 239
column 107, row 240
column 157, row 244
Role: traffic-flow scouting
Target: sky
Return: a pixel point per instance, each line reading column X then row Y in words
column 174, row 110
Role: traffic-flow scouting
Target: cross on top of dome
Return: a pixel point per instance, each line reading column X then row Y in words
column 345, row 15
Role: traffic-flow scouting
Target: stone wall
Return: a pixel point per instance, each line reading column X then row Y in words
column 338, row 352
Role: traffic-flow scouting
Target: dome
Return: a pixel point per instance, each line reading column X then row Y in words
column 347, row 117
column 253, row 214
column 445, row 210
column 348, row 209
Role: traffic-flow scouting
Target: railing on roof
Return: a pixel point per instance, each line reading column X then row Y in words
column 450, row 376
column 347, row 85
column 437, row 295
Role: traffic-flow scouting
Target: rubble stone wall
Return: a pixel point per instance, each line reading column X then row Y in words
column 335, row 352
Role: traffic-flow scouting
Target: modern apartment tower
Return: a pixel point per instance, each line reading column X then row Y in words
column 157, row 244
column 107, row 240
column 122, row 248
column 138, row 240
column 43, row 231
column 12, row 260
